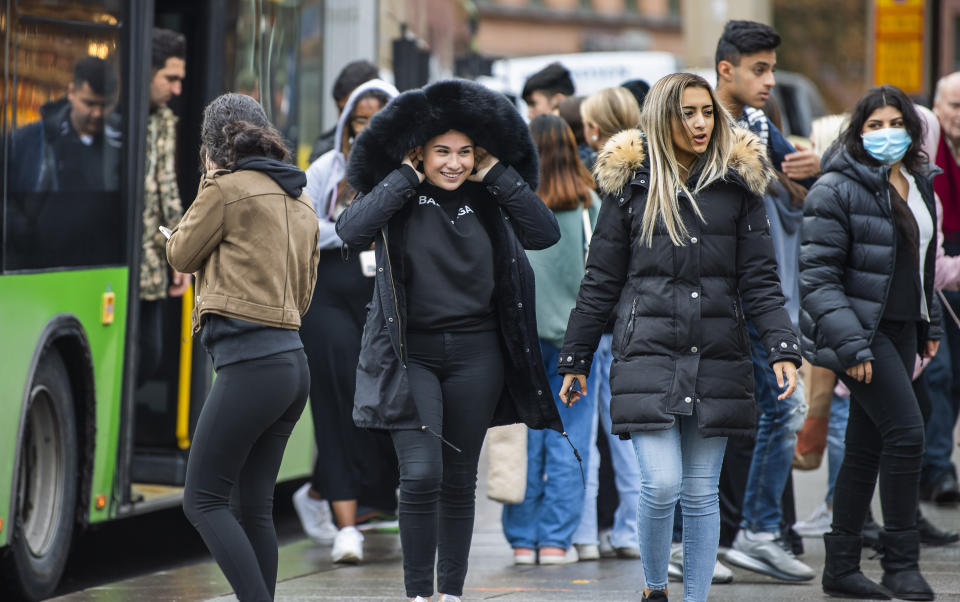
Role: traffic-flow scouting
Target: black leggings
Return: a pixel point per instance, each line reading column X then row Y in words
column 885, row 435
column 456, row 380
column 234, row 460
column 352, row 463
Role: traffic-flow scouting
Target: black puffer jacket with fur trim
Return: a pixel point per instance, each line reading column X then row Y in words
column 680, row 344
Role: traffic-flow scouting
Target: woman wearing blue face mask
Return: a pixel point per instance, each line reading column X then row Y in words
column 867, row 307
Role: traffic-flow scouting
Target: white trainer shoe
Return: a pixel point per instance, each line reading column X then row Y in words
column 348, row 546
column 315, row 516
column 817, row 524
column 721, row 574
column 449, row 598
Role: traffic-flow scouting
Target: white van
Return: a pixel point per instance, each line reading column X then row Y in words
column 591, row 71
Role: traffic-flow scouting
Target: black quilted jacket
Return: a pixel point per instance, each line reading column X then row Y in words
column 679, row 341
column 847, row 258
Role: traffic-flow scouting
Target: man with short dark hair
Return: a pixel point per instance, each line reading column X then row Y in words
column 545, row 89
column 71, row 148
column 349, row 78
column 745, row 61
column 161, row 197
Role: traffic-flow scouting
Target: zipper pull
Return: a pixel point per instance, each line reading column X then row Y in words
column 438, row 436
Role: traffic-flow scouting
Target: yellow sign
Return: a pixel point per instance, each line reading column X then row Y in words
column 898, row 44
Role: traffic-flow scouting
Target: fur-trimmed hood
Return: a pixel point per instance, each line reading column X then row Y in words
column 626, row 153
column 416, row 116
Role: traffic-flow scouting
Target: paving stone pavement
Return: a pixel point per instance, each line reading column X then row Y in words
column 306, row 573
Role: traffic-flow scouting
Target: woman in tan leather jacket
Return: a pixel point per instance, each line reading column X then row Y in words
column 251, row 238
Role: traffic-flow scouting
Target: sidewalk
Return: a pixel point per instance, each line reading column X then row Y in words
column 306, row 573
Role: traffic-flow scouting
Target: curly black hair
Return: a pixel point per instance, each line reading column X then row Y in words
column 235, row 127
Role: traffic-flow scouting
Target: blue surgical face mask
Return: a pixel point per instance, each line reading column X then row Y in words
column 888, row 145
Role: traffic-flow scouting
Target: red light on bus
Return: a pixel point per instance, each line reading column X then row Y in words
column 101, row 502
column 1, row 525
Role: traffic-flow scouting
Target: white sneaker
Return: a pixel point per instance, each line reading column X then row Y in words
column 606, row 548
column 587, row 551
column 721, row 574
column 315, row 516
column 766, row 554
column 569, row 558
column 817, row 524
column 348, row 546
column 449, row 598
column 419, row 599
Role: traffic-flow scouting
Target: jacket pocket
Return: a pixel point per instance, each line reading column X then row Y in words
column 741, row 326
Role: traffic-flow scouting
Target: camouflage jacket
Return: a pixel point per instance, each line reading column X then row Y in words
column 161, row 202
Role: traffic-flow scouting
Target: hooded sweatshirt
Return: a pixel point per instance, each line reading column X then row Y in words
column 324, row 174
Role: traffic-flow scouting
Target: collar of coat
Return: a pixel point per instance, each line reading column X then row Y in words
column 625, row 154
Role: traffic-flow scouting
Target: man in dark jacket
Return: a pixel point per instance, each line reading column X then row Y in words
column 71, row 147
column 759, row 471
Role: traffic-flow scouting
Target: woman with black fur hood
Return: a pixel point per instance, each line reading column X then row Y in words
column 450, row 346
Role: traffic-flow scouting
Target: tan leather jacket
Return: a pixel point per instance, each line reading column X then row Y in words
column 253, row 249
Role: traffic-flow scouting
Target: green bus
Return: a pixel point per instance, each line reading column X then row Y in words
column 82, row 441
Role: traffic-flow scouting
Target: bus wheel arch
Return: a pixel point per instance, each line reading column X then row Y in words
column 53, row 460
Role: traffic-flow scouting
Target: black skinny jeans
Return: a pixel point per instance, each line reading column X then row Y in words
column 456, row 380
column 885, row 435
column 234, row 461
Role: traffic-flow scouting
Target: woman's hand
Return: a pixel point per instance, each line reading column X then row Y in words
column 483, row 162
column 411, row 159
column 931, row 349
column 570, row 396
column 786, row 377
column 862, row 372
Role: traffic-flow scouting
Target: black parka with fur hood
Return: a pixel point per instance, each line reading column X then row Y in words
column 847, row 257
column 680, row 344
column 512, row 214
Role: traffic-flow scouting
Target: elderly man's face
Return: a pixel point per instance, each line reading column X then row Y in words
column 947, row 108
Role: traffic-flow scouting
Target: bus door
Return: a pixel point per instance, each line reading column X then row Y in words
column 174, row 372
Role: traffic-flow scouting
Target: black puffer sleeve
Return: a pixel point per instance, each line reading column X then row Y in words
column 759, row 283
column 360, row 222
column 534, row 224
column 823, row 257
column 600, row 288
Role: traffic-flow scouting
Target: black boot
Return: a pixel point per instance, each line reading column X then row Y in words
column 901, row 569
column 841, row 573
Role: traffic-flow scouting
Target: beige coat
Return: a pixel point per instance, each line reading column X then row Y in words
column 253, row 249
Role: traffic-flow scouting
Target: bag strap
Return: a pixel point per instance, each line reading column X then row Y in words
column 946, row 305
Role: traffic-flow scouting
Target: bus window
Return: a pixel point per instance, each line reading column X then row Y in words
column 63, row 205
column 274, row 55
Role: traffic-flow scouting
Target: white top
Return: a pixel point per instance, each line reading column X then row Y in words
column 925, row 226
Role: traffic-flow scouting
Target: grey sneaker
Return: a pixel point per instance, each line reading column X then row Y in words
column 768, row 557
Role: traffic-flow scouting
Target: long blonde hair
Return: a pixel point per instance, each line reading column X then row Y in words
column 661, row 107
column 612, row 110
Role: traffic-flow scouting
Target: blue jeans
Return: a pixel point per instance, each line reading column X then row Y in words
column 679, row 463
column 836, row 427
column 625, row 467
column 777, row 428
column 944, row 400
column 551, row 508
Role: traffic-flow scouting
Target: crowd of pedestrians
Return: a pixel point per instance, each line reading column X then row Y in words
column 645, row 277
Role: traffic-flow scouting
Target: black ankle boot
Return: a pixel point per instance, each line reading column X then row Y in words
column 841, row 573
column 656, row 596
column 901, row 569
